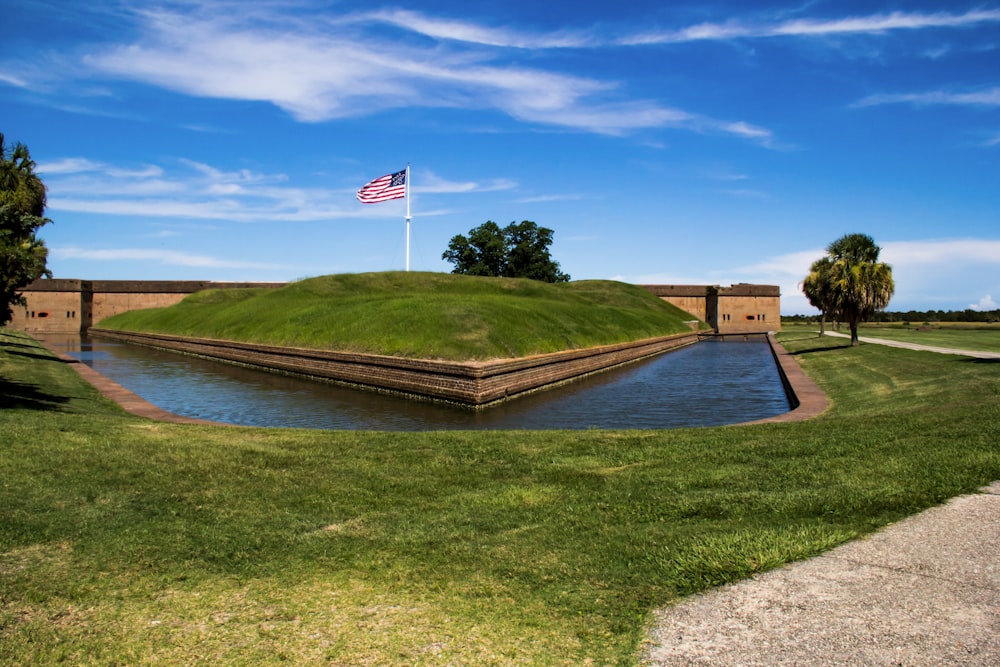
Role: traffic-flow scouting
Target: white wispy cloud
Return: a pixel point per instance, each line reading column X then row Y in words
column 746, row 193
column 538, row 199
column 189, row 190
column 938, row 52
column 431, row 183
column 193, row 190
column 318, row 77
column 70, row 165
column 926, row 270
column 343, row 68
column 924, row 252
column 12, row 80
column 465, row 31
column 725, row 174
column 242, row 176
column 885, row 22
column 78, row 165
column 872, row 24
column 941, row 251
column 989, row 97
column 165, row 257
column 747, row 130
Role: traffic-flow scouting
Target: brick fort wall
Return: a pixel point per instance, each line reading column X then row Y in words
column 59, row 305
column 63, row 305
column 739, row 309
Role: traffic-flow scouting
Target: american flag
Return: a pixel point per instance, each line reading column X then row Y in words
column 384, row 188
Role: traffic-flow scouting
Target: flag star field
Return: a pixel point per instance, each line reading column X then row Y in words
column 688, row 142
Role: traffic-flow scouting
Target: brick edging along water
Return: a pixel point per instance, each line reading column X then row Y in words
column 472, row 383
column 805, row 397
column 127, row 399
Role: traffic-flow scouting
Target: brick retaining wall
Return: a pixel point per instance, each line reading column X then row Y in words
column 805, row 398
column 477, row 383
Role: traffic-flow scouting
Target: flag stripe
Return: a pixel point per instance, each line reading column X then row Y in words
column 384, row 188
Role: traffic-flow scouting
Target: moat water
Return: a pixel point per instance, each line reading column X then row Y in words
column 711, row 383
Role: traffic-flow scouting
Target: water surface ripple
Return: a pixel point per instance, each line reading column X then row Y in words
column 708, row 384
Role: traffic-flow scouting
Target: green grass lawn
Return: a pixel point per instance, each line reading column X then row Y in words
column 982, row 337
column 125, row 541
column 428, row 315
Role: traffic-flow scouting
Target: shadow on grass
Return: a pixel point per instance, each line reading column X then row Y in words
column 26, row 351
column 23, row 396
column 812, row 350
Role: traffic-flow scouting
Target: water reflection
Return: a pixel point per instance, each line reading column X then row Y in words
column 708, row 384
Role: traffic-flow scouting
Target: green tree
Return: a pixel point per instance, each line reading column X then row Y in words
column 22, row 206
column 528, row 253
column 519, row 250
column 482, row 253
column 817, row 288
column 856, row 283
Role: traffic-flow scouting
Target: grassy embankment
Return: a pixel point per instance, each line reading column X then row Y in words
column 124, row 541
column 428, row 315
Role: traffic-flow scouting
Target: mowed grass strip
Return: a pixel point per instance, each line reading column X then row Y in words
column 420, row 315
column 124, row 541
column 979, row 336
column 983, row 338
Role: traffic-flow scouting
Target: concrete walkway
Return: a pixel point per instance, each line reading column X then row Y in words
column 924, row 591
column 916, row 346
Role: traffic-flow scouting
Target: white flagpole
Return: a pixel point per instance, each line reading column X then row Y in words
column 407, row 216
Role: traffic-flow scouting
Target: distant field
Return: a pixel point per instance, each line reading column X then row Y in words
column 983, row 337
column 420, row 315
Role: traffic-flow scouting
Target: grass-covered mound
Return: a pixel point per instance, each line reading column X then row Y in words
column 419, row 315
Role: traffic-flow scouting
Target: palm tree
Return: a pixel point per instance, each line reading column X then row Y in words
column 860, row 285
column 19, row 185
column 22, row 204
column 817, row 289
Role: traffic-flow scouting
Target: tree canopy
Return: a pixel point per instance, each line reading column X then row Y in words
column 519, row 250
column 850, row 283
column 818, row 289
column 22, row 206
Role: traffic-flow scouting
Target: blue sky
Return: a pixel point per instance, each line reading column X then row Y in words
column 664, row 142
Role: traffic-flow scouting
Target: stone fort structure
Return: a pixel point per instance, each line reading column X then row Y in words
column 738, row 309
column 68, row 305
column 62, row 305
